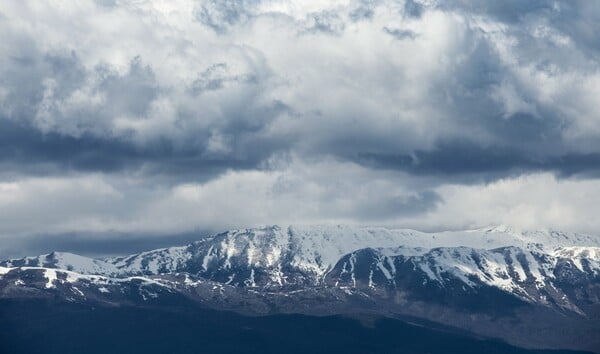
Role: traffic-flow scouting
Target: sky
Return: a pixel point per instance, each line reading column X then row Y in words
column 128, row 124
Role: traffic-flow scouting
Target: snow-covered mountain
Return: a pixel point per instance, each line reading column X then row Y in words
column 313, row 249
column 340, row 269
column 297, row 256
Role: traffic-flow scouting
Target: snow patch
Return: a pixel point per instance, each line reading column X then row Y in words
column 50, row 275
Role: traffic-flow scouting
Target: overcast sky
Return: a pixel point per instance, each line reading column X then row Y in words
column 135, row 121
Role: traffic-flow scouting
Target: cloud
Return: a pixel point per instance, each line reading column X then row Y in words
column 221, row 15
column 29, row 152
column 538, row 201
column 400, row 33
column 452, row 160
column 197, row 97
column 89, row 212
column 300, row 193
column 261, row 78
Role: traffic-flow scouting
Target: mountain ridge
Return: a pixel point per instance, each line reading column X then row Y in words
column 466, row 279
column 395, row 237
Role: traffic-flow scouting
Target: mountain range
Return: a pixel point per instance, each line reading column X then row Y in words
column 531, row 289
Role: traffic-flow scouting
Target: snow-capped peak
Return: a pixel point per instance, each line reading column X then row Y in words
column 311, row 251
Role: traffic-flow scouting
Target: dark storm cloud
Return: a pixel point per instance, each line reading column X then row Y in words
column 578, row 18
column 82, row 139
column 39, row 132
column 31, row 75
column 24, row 149
column 518, row 143
column 130, row 93
column 450, row 159
column 491, row 143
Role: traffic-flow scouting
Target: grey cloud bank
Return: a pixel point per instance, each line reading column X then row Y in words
column 161, row 117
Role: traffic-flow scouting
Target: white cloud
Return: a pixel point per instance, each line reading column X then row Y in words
column 323, row 192
column 183, row 111
column 359, row 79
column 535, row 201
